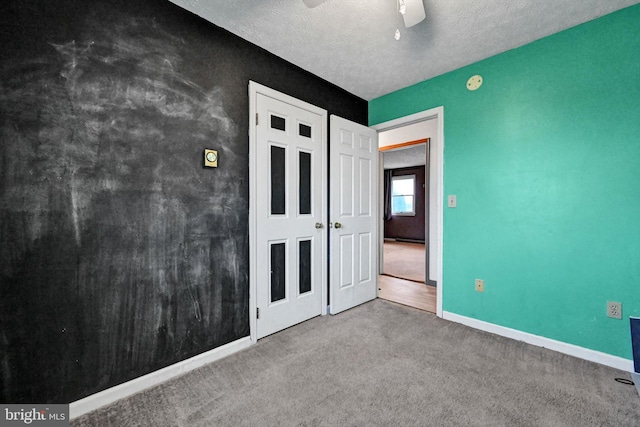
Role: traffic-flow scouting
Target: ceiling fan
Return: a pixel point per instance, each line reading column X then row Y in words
column 313, row 3
column 412, row 10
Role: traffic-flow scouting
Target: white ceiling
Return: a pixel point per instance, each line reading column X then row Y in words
column 412, row 156
column 350, row 42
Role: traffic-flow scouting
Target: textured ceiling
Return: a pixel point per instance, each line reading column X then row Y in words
column 412, row 156
column 350, row 42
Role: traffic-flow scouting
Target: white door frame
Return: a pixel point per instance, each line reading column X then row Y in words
column 254, row 89
column 436, row 205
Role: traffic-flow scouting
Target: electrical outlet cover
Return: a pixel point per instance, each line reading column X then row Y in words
column 479, row 285
column 614, row 309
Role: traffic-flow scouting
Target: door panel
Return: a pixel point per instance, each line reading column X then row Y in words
column 305, row 265
column 353, row 189
column 365, row 187
column 289, row 203
column 346, row 261
column 278, row 268
column 365, row 257
column 345, row 188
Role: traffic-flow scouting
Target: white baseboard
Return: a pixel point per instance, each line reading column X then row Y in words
column 559, row 346
column 110, row 395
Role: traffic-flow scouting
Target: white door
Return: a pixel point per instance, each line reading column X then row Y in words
column 290, row 188
column 354, row 233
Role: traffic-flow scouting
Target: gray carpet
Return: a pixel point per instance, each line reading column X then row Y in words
column 384, row 364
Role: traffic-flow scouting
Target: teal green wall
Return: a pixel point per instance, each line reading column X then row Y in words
column 545, row 161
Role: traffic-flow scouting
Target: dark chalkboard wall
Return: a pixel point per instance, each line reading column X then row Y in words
column 119, row 253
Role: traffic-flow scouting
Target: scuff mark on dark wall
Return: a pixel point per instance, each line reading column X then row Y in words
column 112, row 231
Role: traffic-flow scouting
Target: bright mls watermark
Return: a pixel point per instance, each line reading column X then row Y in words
column 34, row 415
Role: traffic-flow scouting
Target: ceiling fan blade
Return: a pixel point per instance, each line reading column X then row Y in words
column 414, row 14
column 313, row 3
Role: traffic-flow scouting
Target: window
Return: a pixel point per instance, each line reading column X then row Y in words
column 403, row 195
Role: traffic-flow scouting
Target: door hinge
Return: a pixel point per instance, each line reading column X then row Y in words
column 256, row 119
column 258, row 313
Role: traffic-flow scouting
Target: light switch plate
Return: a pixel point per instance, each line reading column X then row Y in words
column 452, row 201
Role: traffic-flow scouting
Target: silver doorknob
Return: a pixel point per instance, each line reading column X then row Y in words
column 338, row 225
column 319, row 225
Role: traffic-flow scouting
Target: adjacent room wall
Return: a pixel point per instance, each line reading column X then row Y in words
column 544, row 161
column 119, row 253
column 409, row 227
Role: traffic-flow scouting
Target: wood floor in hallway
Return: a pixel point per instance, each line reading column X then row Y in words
column 406, row 292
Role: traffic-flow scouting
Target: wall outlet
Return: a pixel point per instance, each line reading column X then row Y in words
column 614, row 309
column 479, row 285
column 452, row 201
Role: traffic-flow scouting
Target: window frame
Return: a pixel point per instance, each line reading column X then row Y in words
column 402, row 177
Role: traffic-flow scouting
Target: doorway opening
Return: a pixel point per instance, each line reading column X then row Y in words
column 411, row 160
column 406, row 200
column 405, row 196
column 404, row 277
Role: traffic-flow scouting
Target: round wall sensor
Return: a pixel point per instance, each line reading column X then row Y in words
column 474, row 82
